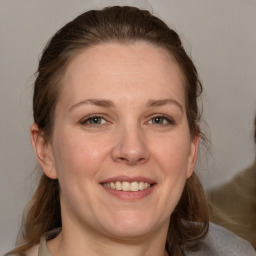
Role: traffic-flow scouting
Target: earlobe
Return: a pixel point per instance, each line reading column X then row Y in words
column 43, row 150
column 193, row 155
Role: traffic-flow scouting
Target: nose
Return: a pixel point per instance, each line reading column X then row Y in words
column 130, row 147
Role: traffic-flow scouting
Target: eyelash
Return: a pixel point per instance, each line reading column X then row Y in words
column 90, row 118
column 85, row 121
column 169, row 120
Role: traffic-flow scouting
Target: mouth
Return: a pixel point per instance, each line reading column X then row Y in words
column 129, row 188
column 126, row 186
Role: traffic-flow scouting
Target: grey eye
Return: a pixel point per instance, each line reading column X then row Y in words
column 95, row 120
column 160, row 120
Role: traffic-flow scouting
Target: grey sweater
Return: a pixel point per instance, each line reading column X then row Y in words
column 218, row 242
column 221, row 242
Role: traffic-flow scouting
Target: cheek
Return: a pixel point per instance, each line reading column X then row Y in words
column 172, row 155
column 78, row 161
column 77, row 155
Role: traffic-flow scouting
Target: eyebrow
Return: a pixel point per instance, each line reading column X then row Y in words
column 95, row 102
column 162, row 102
column 110, row 104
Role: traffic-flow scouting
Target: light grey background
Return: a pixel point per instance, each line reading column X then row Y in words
column 220, row 36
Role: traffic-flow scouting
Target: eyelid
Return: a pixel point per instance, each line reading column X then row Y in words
column 169, row 119
column 87, row 118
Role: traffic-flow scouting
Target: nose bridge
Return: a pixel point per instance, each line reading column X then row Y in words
column 130, row 146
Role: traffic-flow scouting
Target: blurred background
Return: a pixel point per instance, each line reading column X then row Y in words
column 219, row 35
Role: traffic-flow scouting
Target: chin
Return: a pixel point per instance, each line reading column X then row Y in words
column 132, row 228
column 130, row 234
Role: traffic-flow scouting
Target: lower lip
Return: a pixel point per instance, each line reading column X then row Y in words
column 129, row 195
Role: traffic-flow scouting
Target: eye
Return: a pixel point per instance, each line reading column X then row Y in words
column 161, row 120
column 93, row 120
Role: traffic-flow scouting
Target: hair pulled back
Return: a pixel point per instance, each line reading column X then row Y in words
column 189, row 221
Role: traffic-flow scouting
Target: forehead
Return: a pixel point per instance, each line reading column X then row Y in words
column 124, row 67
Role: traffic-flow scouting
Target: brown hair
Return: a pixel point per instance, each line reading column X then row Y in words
column 255, row 129
column 189, row 221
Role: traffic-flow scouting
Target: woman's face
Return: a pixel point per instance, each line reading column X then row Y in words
column 121, row 147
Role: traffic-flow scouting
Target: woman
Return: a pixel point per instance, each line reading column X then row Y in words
column 116, row 134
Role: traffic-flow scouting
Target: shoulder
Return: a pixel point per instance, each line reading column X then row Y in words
column 33, row 251
column 226, row 243
column 41, row 248
column 219, row 241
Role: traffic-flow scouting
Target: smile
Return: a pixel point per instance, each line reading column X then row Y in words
column 134, row 186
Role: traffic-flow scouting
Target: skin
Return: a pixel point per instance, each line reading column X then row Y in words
column 137, row 92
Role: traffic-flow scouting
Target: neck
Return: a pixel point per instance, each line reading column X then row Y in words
column 80, row 242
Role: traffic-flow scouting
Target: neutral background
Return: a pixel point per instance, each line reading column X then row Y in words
column 219, row 35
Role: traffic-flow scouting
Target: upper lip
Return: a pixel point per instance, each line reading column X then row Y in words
column 128, row 179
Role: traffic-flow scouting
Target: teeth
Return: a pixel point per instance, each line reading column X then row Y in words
column 141, row 185
column 127, row 186
column 118, row 185
column 134, row 186
column 112, row 185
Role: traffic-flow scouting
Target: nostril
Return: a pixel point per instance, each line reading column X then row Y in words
column 141, row 160
column 133, row 161
column 130, row 148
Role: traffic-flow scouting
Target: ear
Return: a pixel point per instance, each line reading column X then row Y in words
column 43, row 150
column 192, row 155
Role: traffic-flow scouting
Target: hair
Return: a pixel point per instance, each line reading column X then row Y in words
column 255, row 129
column 189, row 221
